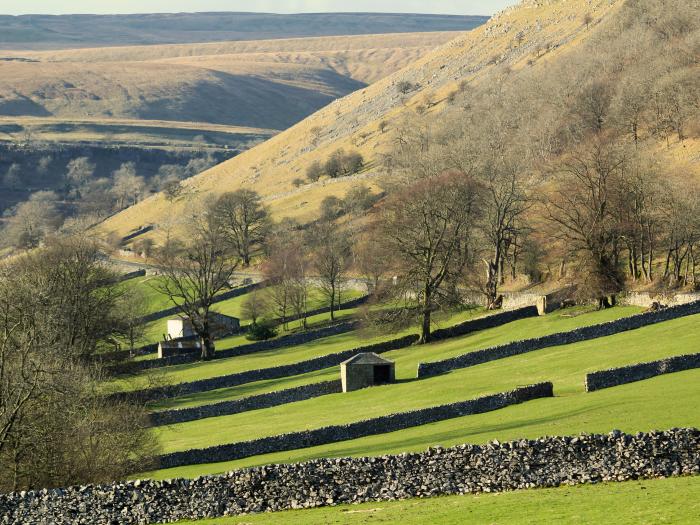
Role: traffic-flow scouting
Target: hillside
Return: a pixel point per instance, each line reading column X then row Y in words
column 171, row 102
column 524, row 40
column 262, row 84
column 60, row 32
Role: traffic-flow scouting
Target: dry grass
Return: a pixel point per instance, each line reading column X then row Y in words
column 165, row 95
column 352, row 122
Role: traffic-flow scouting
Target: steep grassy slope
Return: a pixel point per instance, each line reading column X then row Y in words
column 261, row 84
column 77, row 31
column 530, row 37
column 352, row 121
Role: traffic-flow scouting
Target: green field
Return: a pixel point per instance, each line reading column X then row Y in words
column 281, row 356
column 156, row 302
column 565, row 366
column 660, row 403
column 647, row 502
column 406, row 359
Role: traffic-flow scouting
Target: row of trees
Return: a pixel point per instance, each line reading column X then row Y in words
column 235, row 231
column 57, row 313
column 84, row 194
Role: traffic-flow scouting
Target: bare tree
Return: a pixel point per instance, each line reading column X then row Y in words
column 80, row 171
column 505, row 202
column 192, row 276
column 254, row 306
column 33, row 220
column 285, row 269
column 330, row 259
column 128, row 187
column 244, row 222
column 427, row 232
column 132, row 308
column 57, row 309
column 371, row 259
column 583, row 209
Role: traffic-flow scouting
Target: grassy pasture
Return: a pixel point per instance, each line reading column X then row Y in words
column 670, row 500
column 265, row 359
column 565, row 366
column 234, row 307
column 660, row 403
column 406, row 359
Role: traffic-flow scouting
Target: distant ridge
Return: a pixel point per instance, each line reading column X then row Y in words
column 43, row 32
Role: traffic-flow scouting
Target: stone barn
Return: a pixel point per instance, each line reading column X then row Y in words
column 222, row 326
column 172, row 348
column 365, row 370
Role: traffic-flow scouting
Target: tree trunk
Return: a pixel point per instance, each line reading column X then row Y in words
column 427, row 307
column 491, row 283
column 333, row 302
column 207, row 342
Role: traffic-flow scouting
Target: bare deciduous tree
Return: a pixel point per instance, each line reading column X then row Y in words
column 330, row 259
column 244, row 221
column 57, row 311
column 427, row 231
column 583, row 209
column 193, row 274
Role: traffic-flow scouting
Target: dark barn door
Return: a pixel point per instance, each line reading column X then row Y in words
column 382, row 374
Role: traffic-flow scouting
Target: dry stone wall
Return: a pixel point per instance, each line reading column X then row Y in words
column 563, row 338
column 464, row 469
column 226, row 408
column 646, row 299
column 302, row 367
column 251, row 376
column 369, row 427
column 630, row 374
column 484, row 323
column 300, row 338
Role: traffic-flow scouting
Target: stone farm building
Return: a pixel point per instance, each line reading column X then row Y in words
column 365, row 370
column 222, row 326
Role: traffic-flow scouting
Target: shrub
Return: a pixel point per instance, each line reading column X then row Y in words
column 331, row 208
column 404, row 87
column 314, row 171
column 359, row 199
column 298, row 182
column 261, row 331
column 334, row 164
column 340, row 164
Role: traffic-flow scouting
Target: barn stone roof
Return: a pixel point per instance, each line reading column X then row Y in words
column 368, row 358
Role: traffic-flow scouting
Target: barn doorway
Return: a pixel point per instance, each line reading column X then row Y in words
column 382, row 374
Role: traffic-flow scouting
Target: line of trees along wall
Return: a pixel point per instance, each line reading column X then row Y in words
column 226, row 408
column 562, row 338
column 494, row 467
column 369, row 427
column 630, row 374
